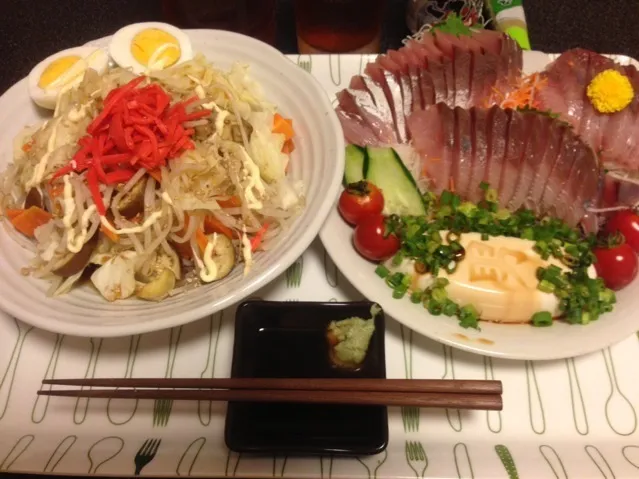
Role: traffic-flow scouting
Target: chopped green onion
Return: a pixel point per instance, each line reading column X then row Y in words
column 382, row 271
column 546, row 286
column 468, row 316
column 542, row 318
column 416, row 297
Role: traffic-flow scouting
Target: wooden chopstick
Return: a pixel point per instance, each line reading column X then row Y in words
column 314, row 384
column 437, row 400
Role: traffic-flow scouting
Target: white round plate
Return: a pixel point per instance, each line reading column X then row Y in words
column 318, row 161
column 499, row 340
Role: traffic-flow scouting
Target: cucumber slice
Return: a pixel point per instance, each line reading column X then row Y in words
column 354, row 164
column 385, row 169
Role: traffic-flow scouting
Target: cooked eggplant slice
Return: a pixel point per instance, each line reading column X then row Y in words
column 157, row 289
column 76, row 262
column 223, row 255
column 132, row 203
column 34, row 198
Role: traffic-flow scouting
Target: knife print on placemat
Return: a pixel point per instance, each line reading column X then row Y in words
column 232, row 463
column 554, row 461
column 507, row 460
column 16, row 451
column 9, row 374
column 103, row 451
column 600, row 461
column 115, row 407
column 204, row 408
column 162, row 407
column 189, row 457
column 326, row 467
column 620, row 413
column 82, row 404
column 331, row 271
column 493, row 418
column 416, row 458
column 631, row 454
column 294, row 273
column 535, row 404
column 579, row 415
column 410, row 415
column 335, row 67
column 453, row 415
column 305, row 62
column 58, row 454
column 463, row 464
column 146, row 454
column 373, row 464
column 41, row 403
column 279, row 465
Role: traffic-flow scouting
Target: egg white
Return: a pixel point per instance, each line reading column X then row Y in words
column 92, row 57
column 120, row 46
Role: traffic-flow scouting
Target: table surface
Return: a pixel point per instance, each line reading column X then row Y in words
column 32, row 30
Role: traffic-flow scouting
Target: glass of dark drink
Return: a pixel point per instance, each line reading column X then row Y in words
column 255, row 18
column 338, row 26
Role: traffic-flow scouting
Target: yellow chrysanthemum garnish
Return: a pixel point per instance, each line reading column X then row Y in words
column 610, row 91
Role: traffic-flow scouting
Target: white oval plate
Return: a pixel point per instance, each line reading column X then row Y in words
column 318, row 161
column 499, row 340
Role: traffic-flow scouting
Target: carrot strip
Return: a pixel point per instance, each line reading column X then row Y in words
column 30, row 219
column 156, row 175
column 114, row 237
column 283, row 126
column 213, row 225
column 232, row 202
column 12, row 213
column 289, row 147
column 201, row 239
column 256, row 241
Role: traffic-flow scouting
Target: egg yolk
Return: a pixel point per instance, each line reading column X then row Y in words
column 153, row 47
column 56, row 69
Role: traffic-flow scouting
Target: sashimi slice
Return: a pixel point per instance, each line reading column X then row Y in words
column 361, row 103
column 462, row 151
column 497, row 137
column 517, row 138
column 545, row 166
column 560, row 173
column 480, row 121
column 355, row 129
column 462, row 70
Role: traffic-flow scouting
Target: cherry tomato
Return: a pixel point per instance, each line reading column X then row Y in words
column 360, row 199
column 617, row 266
column 371, row 240
column 625, row 222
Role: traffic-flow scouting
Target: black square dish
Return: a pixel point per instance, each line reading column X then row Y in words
column 288, row 340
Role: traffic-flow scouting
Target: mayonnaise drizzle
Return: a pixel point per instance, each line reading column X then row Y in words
column 69, row 202
column 41, row 167
column 209, row 272
column 166, row 198
column 154, row 217
column 246, row 251
column 255, row 181
column 74, row 244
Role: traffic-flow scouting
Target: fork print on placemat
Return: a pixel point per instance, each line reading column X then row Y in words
column 162, row 407
column 305, row 62
column 416, row 458
column 118, row 405
column 232, row 463
column 410, row 415
column 146, row 454
column 294, row 273
column 373, row 464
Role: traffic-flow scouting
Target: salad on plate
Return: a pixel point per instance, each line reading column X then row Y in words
column 156, row 172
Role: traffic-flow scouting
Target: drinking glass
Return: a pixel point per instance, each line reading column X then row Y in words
column 338, row 26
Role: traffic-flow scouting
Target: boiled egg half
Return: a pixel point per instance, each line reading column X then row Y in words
column 62, row 71
column 145, row 47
